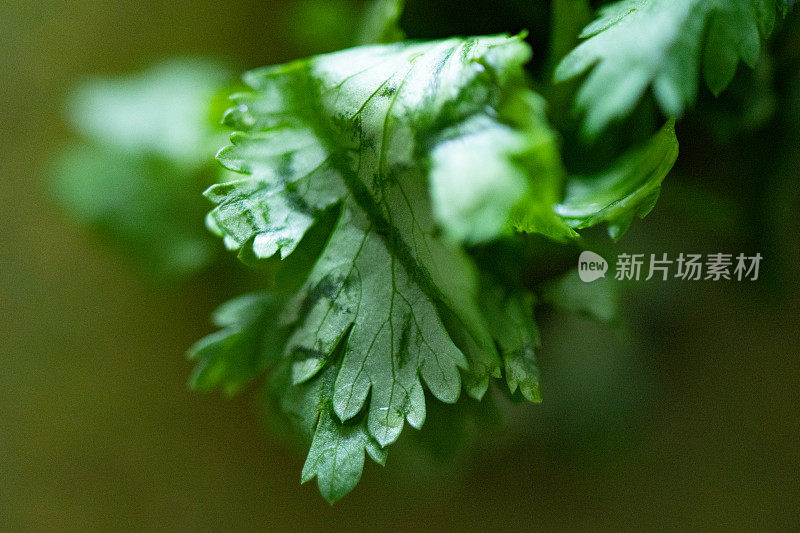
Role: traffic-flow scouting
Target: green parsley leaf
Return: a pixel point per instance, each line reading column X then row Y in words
column 487, row 114
column 510, row 314
column 251, row 344
column 629, row 188
column 232, row 357
column 336, row 457
column 636, row 44
column 488, row 175
column 390, row 306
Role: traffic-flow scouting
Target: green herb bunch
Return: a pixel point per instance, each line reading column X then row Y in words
column 398, row 192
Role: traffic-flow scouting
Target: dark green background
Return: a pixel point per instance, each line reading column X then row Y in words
column 687, row 418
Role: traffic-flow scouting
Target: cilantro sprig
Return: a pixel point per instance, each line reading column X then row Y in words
column 414, row 150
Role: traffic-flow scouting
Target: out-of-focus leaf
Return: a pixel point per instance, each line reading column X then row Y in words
column 628, row 189
column 139, row 205
column 164, row 111
column 144, row 160
column 511, row 317
column 381, row 23
column 636, row 44
column 598, row 299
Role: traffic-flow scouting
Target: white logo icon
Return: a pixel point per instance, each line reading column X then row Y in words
column 591, row 266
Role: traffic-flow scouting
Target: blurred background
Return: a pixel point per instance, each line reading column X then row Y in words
column 684, row 415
